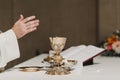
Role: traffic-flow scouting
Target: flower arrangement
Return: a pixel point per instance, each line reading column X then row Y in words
column 112, row 44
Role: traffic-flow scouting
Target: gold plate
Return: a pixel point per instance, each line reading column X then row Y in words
column 29, row 69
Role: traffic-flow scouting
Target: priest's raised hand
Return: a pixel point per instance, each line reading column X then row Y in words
column 9, row 47
column 25, row 25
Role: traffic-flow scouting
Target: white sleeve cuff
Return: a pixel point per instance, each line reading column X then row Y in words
column 9, row 49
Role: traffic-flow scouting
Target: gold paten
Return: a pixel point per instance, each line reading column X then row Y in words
column 29, row 69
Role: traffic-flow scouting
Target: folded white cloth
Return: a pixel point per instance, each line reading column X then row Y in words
column 9, row 49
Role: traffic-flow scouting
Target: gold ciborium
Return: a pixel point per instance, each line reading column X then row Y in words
column 57, row 44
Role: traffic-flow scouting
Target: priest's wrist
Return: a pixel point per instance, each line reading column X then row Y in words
column 18, row 35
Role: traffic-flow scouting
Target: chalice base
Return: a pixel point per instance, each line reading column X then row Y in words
column 58, row 71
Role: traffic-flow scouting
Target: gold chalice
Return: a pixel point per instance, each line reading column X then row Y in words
column 57, row 44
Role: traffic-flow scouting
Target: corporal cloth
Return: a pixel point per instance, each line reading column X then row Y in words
column 9, row 49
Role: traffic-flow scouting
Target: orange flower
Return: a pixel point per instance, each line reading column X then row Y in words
column 112, row 39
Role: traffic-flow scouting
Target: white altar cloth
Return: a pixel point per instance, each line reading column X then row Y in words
column 104, row 68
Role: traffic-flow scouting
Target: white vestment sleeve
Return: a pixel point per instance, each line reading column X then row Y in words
column 9, row 49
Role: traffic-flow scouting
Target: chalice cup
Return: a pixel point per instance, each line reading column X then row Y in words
column 57, row 44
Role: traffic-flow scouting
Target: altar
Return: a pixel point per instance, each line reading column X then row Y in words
column 104, row 68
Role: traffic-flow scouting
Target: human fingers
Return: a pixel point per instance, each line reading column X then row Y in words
column 21, row 17
column 32, row 26
column 31, row 23
column 28, row 19
column 31, row 29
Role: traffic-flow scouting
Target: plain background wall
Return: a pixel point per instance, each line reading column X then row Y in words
column 81, row 21
column 109, row 17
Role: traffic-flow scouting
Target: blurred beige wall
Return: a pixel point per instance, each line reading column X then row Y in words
column 109, row 17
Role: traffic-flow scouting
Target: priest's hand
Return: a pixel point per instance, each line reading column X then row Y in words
column 25, row 25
